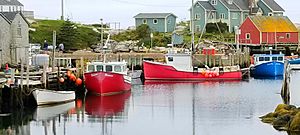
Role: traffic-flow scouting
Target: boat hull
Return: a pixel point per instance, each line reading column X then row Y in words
column 155, row 71
column 47, row 97
column 294, row 61
column 106, row 83
column 269, row 69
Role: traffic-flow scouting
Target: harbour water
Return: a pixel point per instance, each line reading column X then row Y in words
column 162, row 108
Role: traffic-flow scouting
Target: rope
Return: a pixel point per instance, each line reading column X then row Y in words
column 28, row 94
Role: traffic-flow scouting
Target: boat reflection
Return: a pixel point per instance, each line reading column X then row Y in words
column 106, row 106
column 150, row 82
column 49, row 112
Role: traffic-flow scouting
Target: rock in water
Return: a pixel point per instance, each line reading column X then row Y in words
column 295, row 123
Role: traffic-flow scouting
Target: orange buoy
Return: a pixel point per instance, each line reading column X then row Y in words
column 78, row 82
column 61, row 80
column 72, row 77
column 68, row 73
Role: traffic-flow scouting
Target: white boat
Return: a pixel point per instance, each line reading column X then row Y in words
column 48, row 112
column 46, row 97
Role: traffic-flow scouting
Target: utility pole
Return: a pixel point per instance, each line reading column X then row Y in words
column 53, row 50
column 101, row 20
column 192, row 27
column 62, row 10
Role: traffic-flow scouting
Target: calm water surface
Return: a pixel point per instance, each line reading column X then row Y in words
column 206, row 108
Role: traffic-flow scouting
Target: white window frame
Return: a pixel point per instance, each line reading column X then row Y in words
column 248, row 36
column 144, row 21
column 288, row 35
column 155, row 20
column 213, row 15
column 234, row 15
column 222, row 16
column 270, row 14
column 197, row 16
column 214, row 2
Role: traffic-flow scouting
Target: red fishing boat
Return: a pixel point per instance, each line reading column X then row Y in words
column 178, row 67
column 107, row 78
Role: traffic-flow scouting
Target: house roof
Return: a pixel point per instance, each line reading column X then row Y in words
column 11, row 16
column 206, row 5
column 273, row 23
column 273, row 5
column 230, row 6
column 11, row 2
column 153, row 15
column 243, row 4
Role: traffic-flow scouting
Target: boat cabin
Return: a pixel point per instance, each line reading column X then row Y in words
column 264, row 58
column 181, row 61
column 115, row 67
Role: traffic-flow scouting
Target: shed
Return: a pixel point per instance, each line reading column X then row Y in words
column 268, row 30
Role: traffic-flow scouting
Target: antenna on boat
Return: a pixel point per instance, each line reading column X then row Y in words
column 192, row 28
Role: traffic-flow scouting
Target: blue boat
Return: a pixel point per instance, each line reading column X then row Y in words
column 294, row 61
column 268, row 65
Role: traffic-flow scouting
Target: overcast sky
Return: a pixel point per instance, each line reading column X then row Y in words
column 90, row 11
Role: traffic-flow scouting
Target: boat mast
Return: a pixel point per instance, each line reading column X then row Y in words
column 192, row 27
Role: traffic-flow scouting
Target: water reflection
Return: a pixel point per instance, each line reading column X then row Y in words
column 107, row 106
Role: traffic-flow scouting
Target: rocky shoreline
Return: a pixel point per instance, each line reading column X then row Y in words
column 284, row 118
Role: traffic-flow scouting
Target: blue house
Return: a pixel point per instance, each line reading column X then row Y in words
column 160, row 22
column 231, row 12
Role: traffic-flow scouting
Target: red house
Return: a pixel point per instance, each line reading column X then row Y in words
column 268, row 30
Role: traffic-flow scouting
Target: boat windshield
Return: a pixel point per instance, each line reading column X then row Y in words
column 270, row 58
column 106, row 68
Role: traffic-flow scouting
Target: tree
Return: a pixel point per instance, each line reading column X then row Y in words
column 143, row 34
column 68, row 35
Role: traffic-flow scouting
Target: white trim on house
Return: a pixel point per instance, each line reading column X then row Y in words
column 166, row 26
column 246, row 36
column 155, row 21
column 144, row 21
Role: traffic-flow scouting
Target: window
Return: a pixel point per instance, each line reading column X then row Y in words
column 9, row 8
column 248, row 36
column 169, row 21
column 261, row 58
column 198, row 28
column 1, row 8
column 170, row 59
column 108, row 68
column 288, row 35
column 267, row 58
column 212, row 16
column 214, row 2
column 234, row 15
column 99, row 68
column 19, row 32
column 91, row 68
column 197, row 16
column 270, row 14
column 118, row 68
column 155, row 21
column 280, row 58
column 144, row 21
column 274, row 59
column 222, row 16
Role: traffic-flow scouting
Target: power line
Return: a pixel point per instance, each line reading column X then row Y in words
column 146, row 5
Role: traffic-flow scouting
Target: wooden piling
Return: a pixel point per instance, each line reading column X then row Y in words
column 285, row 90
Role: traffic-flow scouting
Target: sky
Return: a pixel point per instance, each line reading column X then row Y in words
column 122, row 11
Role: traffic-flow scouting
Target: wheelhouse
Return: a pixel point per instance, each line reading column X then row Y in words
column 264, row 58
column 115, row 67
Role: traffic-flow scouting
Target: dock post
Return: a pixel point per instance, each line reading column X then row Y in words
column 285, row 90
column 82, row 66
column 22, row 74
column 45, row 76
